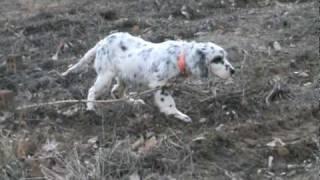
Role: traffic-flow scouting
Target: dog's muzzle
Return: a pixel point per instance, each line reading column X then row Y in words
column 232, row 71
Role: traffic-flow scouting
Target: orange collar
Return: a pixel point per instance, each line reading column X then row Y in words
column 182, row 63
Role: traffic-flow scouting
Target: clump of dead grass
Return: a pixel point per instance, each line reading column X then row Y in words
column 10, row 166
column 154, row 157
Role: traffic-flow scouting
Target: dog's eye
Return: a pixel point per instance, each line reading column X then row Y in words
column 217, row 60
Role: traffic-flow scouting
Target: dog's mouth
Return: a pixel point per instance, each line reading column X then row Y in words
column 223, row 71
column 223, row 74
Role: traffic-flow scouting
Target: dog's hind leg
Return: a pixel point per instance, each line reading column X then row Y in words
column 166, row 105
column 119, row 89
column 102, row 83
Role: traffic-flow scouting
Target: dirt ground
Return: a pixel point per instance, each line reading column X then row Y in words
column 262, row 125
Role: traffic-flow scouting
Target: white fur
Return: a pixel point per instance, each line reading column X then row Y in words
column 133, row 61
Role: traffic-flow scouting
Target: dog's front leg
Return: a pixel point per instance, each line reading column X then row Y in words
column 102, row 83
column 166, row 104
column 119, row 90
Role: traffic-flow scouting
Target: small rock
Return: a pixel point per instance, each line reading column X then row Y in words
column 252, row 11
column 199, row 138
column 134, row 176
column 292, row 166
column 292, row 45
column 250, row 142
column 200, row 33
column 276, row 46
column 270, row 161
column 259, row 171
column 308, row 84
column 278, row 178
column 283, row 173
column 93, row 140
column 303, row 74
column 203, row 120
column 220, row 127
column 282, row 151
column 270, row 173
column 291, row 173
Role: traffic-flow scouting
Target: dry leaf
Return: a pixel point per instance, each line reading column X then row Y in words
column 25, row 147
column 138, row 143
column 148, row 146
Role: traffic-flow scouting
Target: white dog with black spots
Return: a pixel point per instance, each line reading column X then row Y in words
column 131, row 60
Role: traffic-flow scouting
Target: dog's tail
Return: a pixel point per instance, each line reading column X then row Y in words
column 83, row 63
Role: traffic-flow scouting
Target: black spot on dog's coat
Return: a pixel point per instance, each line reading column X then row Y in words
column 145, row 53
column 202, row 64
column 172, row 49
column 162, row 99
column 164, row 92
column 111, row 38
column 122, row 46
column 154, row 67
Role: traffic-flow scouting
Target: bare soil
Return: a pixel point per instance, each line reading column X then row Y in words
column 263, row 125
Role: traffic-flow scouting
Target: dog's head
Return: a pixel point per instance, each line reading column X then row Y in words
column 213, row 59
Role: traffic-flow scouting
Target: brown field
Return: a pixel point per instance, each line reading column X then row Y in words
column 263, row 125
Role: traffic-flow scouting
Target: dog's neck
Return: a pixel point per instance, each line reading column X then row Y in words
column 182, row 63
column 192, row 58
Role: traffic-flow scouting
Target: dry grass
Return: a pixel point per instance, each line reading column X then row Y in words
column 119, row 161
column 10, row 166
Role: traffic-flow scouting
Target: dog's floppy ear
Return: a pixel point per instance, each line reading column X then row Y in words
column 202, row 65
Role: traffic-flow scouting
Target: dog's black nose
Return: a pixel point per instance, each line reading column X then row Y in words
column 232, row 71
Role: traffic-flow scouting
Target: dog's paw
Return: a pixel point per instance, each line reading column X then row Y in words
column 183, row 118
column 90, row 107
column 64, row 74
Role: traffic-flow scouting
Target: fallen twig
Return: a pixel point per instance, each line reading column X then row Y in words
column 236, row 94
column 275, row 90
column 244, row 85
column 85, row 101
column 56, row 55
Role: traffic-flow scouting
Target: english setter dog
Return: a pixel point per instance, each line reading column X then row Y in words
column 132, row 60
